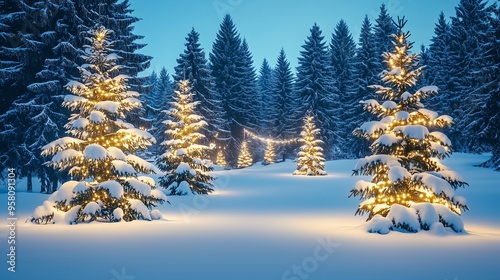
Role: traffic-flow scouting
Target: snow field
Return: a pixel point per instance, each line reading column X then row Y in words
column 265, row 223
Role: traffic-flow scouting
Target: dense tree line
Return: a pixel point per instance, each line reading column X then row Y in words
column 39, row 42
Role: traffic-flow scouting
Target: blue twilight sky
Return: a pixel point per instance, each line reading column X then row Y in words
column 269, row 25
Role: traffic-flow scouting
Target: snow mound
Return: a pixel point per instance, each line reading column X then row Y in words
column 123, row 168
column 47, row 208
column 97, row 117
column 182, row 168
column 118, row 214
column 67, row 218
column 156, row 214
column 91, row 208
column 398, row 173
column 114, row 188
column 139, row 186
column 140, row 208
column 110, row 106
column 427, row 215
column 95, row 152
column 379, row 224
column 404, row 218
column 183, row 189
column 448, row 218
column 80, row 123
column 117, row 153
column 413, row 131
column 65, row 192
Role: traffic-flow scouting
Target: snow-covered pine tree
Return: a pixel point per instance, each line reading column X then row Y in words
column 365, row 75
column 269, row 154
column 316, row 91
column 410, row 189
column 342, row 52
column 244, row 157
column 193, row 66
column 221, row 158
column 383, row 29
column 99, row 152
column 225, row 70
column 184, row 163
column 287, row 121
column 267, row 111
column 310, row 159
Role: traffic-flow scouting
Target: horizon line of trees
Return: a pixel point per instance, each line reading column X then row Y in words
column 38, row 56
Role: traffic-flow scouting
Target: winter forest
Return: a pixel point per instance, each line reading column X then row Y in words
column 404, row 139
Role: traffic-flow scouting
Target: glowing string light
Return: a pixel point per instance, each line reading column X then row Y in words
column 269, row 140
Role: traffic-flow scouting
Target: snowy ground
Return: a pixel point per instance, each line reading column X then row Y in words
column 263, row 223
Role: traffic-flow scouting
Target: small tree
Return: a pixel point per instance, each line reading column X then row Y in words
column 221, row 158
column 187, row 169
column 269, row 154
column 99, row 152
column 410, row 189
column 244, row 158
column 310, row 159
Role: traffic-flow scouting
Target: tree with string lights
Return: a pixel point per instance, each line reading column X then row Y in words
column 410, row 189
column 99, row 153
column 244, row 158
column 269, row 154
column 185, row 163
column 310, row 159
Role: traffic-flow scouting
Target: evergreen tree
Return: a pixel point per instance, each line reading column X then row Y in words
column 316, row 91
column 343, row 50
column 267, row 107
column 184, row 162
column 221, row 158
column 193, row 66
column 410, row 189
column 365, row 75
column 310, row 159
column 99, row 151
column 383, row 30
column 244, row 158
column 286, row 120
column 246, row 105
column 468, row 47
column 269, row 155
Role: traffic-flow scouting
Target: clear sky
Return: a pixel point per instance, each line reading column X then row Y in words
column 269, row 25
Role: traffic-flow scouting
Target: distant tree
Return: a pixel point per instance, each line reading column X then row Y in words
column 244, row 158
column 268, row 101
column 185, row 161
column 383, row 30
column 310, row 159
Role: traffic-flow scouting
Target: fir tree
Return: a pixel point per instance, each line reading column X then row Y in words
column 316, row 91
column 184, row 162
column 343, row 50
column 244, row 158
column 267, row 107
column 225, row 69
column 410, row 189
column 468, row 48
column 383, row 30
column 310, row 159
column 286, row 120
column 365, row 75
column 269, row 154
column 193, row 66
column 99, row 151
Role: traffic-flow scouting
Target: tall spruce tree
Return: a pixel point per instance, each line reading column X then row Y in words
column 267, row 107
column 365, row 75
column 316, row 91
column 287, row 103
column 99, row 151
column 383, row 30
column 410, row 189
column 193, row 66
column 343, row 51
column 468, row 48
column 185, row 161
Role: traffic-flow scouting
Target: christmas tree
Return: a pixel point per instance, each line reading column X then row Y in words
column 221, row 158
column 269, row 154
column 410, row 189
column 98, row 154
column 184, row 162
column 310, row 159
column 244, row 158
